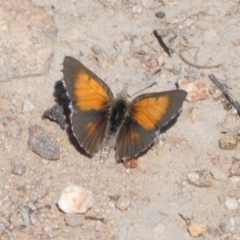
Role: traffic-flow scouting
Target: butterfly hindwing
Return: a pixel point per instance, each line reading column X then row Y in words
column 90, row 100
column 147, row 115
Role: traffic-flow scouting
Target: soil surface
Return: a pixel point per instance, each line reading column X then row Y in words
column 175, row 192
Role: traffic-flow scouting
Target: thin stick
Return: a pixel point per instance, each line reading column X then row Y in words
column 196, row 65
column 161, row 42
column 225, row 93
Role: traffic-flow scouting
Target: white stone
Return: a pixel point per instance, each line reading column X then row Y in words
column 75, row 199
column 231, row 203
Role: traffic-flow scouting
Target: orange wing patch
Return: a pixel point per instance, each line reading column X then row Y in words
column 150, row 110
column 90, row 94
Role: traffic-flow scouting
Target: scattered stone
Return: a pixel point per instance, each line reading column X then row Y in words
column 175, row 70
column 193, row 177
column 96, row 49
column 221, row 198
column 74, row 220
column 55, row 114
column 236, row 158
column 19, row 169
column 146, row 58
column 27, row 106
column 193, row 114
column 132, row 2
column 32, row 207
column 131, row 163
column 2, row 229
column 137, row 9
column 28, row 34
column 75, row 199
column 111, row 204
column 123, row 203
column 228, row 141
column 216, row 93
column 33, row 218
column 231, row 203
column 219, row 173
column 235, row 168
column 25, row 215
column 160, row 14
column 200, row 179
column 227, row 226
column 160, row 60
column 98, row 225
column 196, row 229
column 42, row 144
column 158, row 229
column 196, row 90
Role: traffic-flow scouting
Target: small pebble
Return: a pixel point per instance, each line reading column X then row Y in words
column 27, row 106
column 146, row 57
column 123, row 203
column 74, row 220
column 42, row 144
column 228, row 141
column 220, row 174
column 19, row 169
column 197, row 90
column 75, row 199
column 160, row 60
column 175, row 70
column 196, row 229
column 221, row 198
column 227, row 226
column 132, row 2
column 159, row 228
column 2, row 229
column 25, row 215
column 137, row 9
column 160, row 14
column 193, row 114
column 131, row 163
column 231, row 203
column 216, row 93
column 32, row 207
column 193, row 177
column 96, row 49
column 111, row 204
column 98, row 226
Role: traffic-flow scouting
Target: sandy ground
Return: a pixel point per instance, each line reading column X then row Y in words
column 115, row 40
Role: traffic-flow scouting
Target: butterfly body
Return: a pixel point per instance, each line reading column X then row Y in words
column 96, row 115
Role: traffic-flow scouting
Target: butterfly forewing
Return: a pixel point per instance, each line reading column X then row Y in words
column 90, row 101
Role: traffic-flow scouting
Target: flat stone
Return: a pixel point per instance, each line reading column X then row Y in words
column 42, row 144
column 219, row 173
column 19, row 169
column 123, row 203
column 228, row 141
column 231, row 203
column 197, row 90
column 228, row 226
column 28, row 33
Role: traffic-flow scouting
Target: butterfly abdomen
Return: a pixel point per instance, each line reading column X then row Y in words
column 116, row 118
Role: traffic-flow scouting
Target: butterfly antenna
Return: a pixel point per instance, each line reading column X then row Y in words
column 144, row 89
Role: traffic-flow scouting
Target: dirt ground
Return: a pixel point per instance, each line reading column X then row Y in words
column 115, row 40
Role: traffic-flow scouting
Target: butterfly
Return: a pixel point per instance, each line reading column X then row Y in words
column 96, row 114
